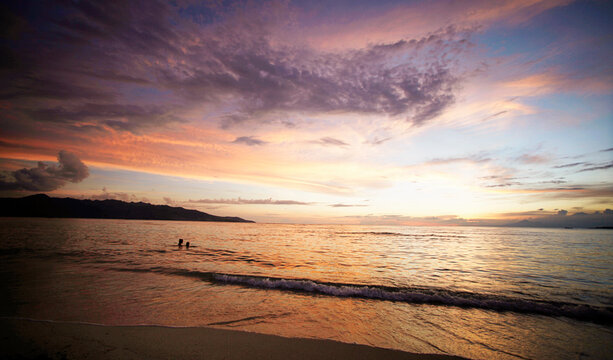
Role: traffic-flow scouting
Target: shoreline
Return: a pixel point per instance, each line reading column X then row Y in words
column 43, row 339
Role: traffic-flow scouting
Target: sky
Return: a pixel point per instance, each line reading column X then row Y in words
column 351, row 112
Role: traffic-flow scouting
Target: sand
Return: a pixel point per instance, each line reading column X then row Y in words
column 30, row 339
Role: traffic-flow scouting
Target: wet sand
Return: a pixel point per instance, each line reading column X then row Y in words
column 30, row 339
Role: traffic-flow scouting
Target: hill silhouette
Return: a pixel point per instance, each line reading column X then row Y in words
column 42, row 205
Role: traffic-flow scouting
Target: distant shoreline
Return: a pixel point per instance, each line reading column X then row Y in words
column 43, row 206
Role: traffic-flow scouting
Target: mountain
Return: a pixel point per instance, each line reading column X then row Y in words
column 42, row 205
column 525, row 223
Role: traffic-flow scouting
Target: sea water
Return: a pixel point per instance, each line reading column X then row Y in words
column 482, row 293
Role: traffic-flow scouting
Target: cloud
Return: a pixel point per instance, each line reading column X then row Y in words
column 127, row 117
column 170, row 201
column 122, row 196
column 377, row 141
column 599, row 167
column 74, row 64
column 249, row 140
column 240, row 201
column 477, row 158
column 262, row 78
column 330, row 141
column 533, row 159
column 558, row 181
column 47, row 88
column 569, row 165
column 149, row 63
column 530, row 219
column 46, row 177
column 579, row 219
column 347, row 205
column 605, row 150
column 412, row 78
column 592, row 192
column 492, row 116
column 372, row 22
column 505, row 184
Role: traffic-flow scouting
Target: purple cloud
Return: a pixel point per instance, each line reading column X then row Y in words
column 330, row 141
column 249, row 140
column 138, row 65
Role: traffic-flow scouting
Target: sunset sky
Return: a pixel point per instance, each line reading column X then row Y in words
column 375, row 112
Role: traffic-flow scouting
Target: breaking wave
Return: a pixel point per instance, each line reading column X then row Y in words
column 412, row 295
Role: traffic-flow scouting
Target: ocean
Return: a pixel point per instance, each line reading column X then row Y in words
column 482, row 293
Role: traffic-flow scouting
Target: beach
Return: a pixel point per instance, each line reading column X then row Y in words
column 30, row 339
column 465, row 291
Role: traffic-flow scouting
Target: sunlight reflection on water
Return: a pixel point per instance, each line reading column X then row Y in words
column 132, row 272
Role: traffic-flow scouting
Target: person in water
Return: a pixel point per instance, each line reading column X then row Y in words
column 180, row 242
column 187, row 245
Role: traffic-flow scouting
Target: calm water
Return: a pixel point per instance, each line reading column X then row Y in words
column 483, row 293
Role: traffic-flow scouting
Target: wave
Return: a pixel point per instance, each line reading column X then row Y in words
column 385, row 233
column 412, row 295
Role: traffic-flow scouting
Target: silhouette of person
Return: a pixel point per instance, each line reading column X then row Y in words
column 181, row 242
column 187, row 245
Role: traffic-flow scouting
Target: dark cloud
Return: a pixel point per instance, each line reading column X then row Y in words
column 347, row 205
column 579, row 219
column 569, row 165
column 572, row 188
column 499, row 181
column 81, row 57
column 489, row 117
column 240, row 201
column 249, row 140
column 46, row 177
column 330, row 141
column 598, row 167
column 558, row 181
column 605, row 150
column 505, row 184
column 47, row 88
column 125, row 117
